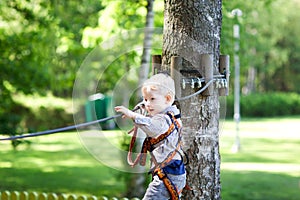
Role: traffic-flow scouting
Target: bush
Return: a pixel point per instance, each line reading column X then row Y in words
column 27, row 115
column 47, row 118
column 266, row 105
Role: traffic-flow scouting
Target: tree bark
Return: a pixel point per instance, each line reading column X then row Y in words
column 145, row 63
column 192, row 28
column 137, row 183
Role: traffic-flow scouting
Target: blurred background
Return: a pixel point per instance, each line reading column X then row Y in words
column 43, row 44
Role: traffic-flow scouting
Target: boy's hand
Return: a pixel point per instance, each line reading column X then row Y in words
column 126, row 112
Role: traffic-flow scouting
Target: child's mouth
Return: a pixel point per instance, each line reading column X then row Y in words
column 150, row 110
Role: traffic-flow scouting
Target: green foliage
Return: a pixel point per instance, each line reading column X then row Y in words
column 25, row 43
column 10, row 112
column 47, row 112
column 267, row 42
column 34, row 113
column 43, row 44
column 40, row 51
column 266, row 105
column 47, row 118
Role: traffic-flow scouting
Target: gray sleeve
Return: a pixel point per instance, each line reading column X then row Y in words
column 152, row 126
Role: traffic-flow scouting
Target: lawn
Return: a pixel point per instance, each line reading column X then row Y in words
column 266, row 167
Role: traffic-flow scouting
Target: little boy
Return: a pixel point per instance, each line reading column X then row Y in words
column 162, row 127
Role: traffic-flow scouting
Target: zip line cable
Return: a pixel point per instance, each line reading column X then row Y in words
column 67, row 128
column 48, row 132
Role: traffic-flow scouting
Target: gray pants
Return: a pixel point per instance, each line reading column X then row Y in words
column 157, row 190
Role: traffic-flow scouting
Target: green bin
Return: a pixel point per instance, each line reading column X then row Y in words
column 98, row 107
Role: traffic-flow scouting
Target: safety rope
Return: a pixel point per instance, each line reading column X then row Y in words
column 67, row 128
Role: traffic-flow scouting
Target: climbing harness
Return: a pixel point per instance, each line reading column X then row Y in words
column 149, row 145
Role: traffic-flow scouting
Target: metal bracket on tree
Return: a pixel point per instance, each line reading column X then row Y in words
column 201, row 83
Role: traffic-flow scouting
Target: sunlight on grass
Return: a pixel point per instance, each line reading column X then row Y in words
column 5, row 164
column 268, row 160
column 270, row 146
column 47, row 101
column 255, row 185
column 105, row 147
column 56, row 163
column 290, row 169
column 287, row 128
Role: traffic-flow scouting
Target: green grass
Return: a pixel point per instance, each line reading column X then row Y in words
column 266, row 167
column 56, row 163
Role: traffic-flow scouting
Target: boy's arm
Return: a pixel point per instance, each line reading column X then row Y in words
column 126, row 112
column 152, row 126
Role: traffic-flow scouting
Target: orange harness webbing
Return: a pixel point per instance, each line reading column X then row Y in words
column 148, row 145
column 168, row 183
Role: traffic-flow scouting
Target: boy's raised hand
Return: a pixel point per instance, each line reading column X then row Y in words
column 126, row 112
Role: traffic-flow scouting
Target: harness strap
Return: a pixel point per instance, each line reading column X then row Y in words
column 148, row 145
column 168, row 183
column 158, row 170
column 129, row 155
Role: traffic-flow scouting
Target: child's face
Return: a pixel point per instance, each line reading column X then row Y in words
column 155, row 102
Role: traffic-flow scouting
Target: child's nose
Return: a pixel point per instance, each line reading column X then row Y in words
column 147, row 103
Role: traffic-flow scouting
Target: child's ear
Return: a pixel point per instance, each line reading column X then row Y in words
column 168, row 98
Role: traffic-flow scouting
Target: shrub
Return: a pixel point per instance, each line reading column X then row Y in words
column 47, row 118
column 266, row 105
column 26, row 115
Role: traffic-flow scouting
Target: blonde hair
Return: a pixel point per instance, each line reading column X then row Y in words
column 162, row 83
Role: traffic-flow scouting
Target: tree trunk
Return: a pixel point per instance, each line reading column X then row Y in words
column 145, row 63
column 250, row 85
column 192, row 28
column 137, row 183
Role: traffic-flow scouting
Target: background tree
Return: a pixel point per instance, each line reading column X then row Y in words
column 263, row 43
column 192, row 28
column 43, row 43
column 26, row 53
column 138, row 181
